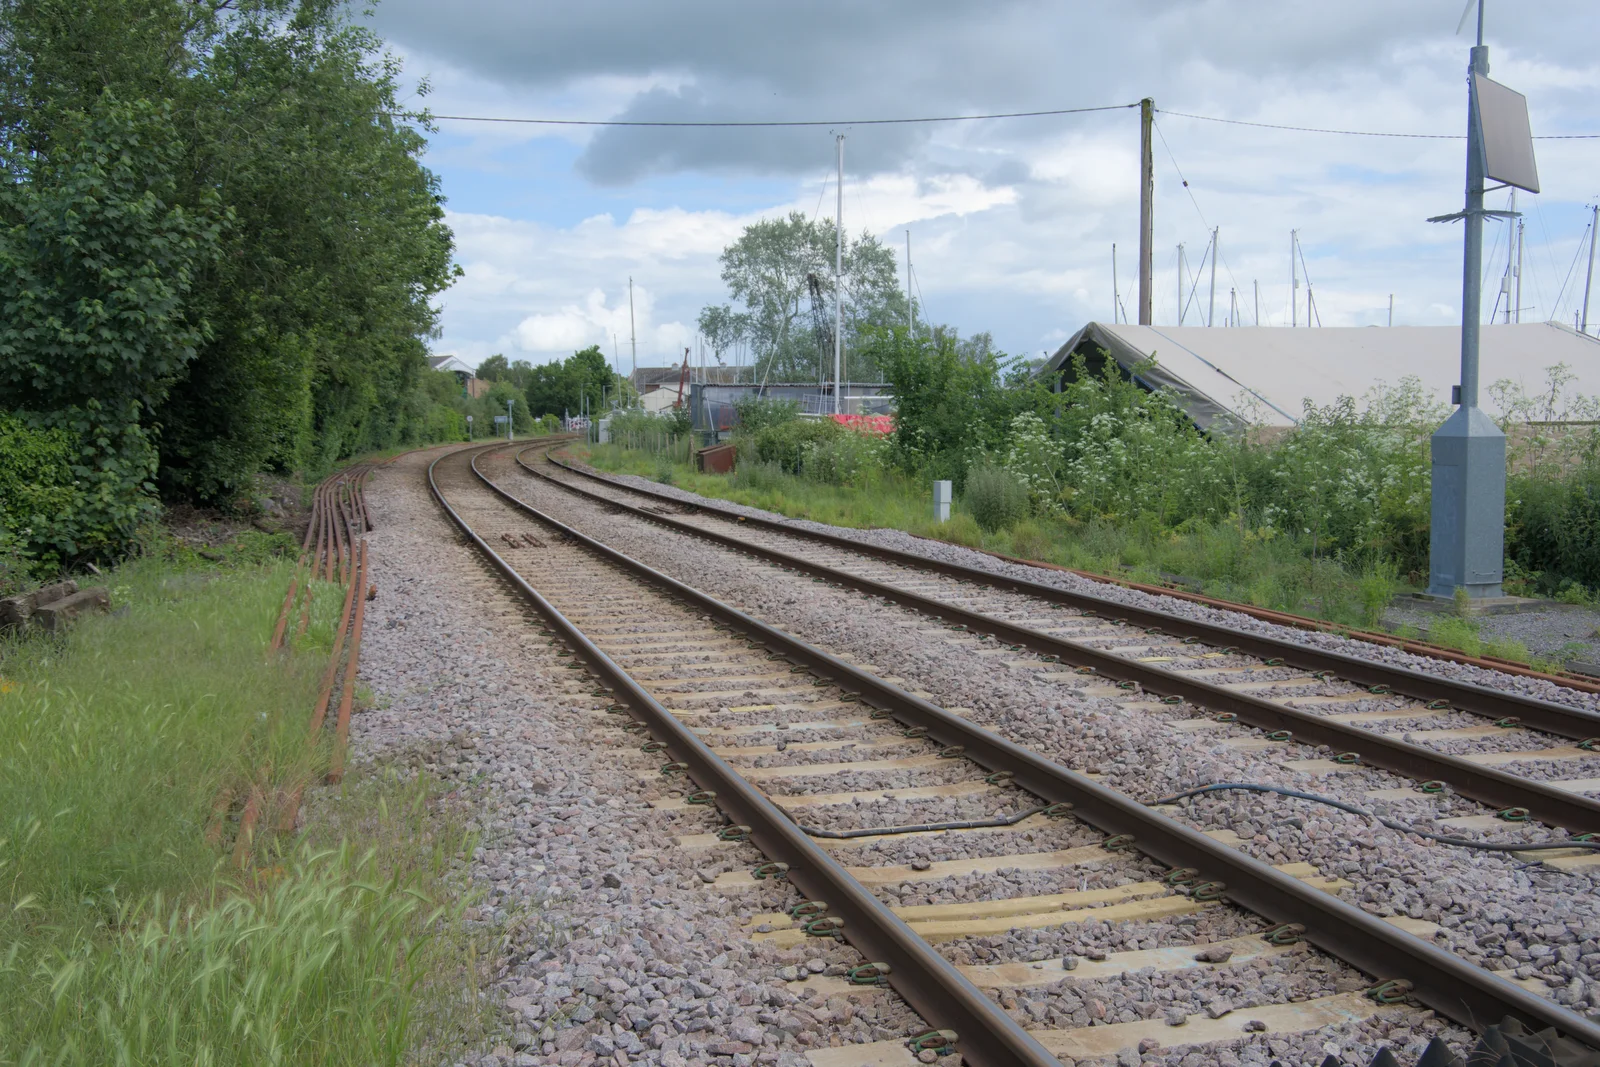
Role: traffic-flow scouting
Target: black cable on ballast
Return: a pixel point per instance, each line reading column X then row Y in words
column 969, row 824
column 1459, row 842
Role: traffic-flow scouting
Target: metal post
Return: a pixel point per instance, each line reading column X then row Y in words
column 508, row 418
column 1257, row 283
column 633, row 331
column 911, row 315
column 1588, row 281
column 1294, row 282
column 1466, row 547
column 1211, row 312
column 838, row 284
column 1116, row 297
column 1180, row 283
column 1391, row 309
column 1147, row 198
column 1521, row 232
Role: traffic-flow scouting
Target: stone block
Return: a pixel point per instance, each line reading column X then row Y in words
column 17, row 611
column 58, row 614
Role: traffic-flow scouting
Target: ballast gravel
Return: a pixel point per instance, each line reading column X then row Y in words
column 1491, row 908
column 614, row 948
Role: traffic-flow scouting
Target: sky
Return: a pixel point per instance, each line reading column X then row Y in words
column 1011, row 221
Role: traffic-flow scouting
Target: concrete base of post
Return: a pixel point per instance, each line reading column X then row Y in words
column 941, row 501
column 1466, row 547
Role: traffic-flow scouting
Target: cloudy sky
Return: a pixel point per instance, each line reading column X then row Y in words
column 1011, row 221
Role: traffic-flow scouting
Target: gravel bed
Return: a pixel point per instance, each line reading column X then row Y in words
column 897, row 539
column 1469, row 891
column 613, row 950
column 1565, row 631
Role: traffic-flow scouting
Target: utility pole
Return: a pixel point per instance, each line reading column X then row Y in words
column 838, row 285
column 508, row 418
column 1147, row 201
column 1257, row 284
column 1211, row 312
column 633, row 331
column 1294, row 280
column 1512, row 255
column 1588, row 281
column 1233, row 306
column 1391, row 309
column 1116, row 297
column 911, row 314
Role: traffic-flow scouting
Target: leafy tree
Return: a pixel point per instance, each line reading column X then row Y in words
column 97, row 265
column 562, row 388
column 769, row 270
column 494, row 368
column 954, row 398
column 217, row 245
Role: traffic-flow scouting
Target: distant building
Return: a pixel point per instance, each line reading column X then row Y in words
column 1262, row 375
column 471, row 384
column 658, row 386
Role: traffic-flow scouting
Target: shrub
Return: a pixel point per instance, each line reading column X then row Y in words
column 758, row 477
column 787, row 444
column 756, row 413
column 1030, row 541
column 842, row 459
column 995, row 497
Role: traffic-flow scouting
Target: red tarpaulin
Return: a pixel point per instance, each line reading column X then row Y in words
column 883, row 424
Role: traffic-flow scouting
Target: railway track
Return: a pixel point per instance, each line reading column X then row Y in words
column 794, row 767
column 1251, row 689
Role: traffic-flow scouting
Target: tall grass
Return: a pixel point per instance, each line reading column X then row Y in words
column 1266, row 568
column 127, row 938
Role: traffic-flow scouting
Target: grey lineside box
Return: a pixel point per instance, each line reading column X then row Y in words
column 941, row 501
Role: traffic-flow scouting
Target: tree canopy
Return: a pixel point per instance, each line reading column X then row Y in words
column 780, row 271
column 583, row 377
column 217, row 247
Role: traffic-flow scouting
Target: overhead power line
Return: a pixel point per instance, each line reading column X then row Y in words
column 762, row 123
column 1367, row 133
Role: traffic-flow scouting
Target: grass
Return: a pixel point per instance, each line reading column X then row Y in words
column 1223, row 560
column 125, row 938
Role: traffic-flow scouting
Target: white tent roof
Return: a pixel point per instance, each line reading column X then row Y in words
column 1223, row 372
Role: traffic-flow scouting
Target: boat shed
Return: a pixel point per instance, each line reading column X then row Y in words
column 1263, row 375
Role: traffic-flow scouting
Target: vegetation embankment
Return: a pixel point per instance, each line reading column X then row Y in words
column 219, row 250
column 1329, row 519
column 128, row 934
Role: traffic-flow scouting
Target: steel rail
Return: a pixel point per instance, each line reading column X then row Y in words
column 1441, row 980
column 1539, row 714
column 1487, row 785
column 940, row 993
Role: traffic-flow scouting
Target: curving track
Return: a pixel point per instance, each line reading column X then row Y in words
column 797, row 767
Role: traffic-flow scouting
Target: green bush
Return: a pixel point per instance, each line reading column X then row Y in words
column 843, row 459
column 756, row 413
column 1555, row 525
column 38, row 497
column 789, row 444
column 995, row 497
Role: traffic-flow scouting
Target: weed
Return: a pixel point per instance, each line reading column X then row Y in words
column 1029, row 540
column 129, row 938
column 1458, row 633
column 1506, row 648
column 996, row 498
column 961, row 529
